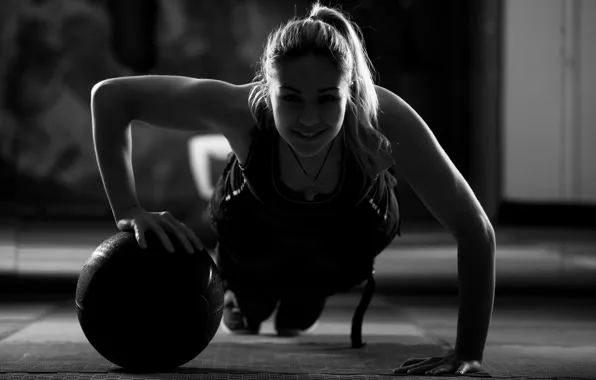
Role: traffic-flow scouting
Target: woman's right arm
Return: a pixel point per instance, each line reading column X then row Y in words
column 163, row 101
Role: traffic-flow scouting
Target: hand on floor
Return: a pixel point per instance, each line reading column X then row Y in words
column 439, row 365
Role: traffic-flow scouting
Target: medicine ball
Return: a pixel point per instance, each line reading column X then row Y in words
column 148, row 309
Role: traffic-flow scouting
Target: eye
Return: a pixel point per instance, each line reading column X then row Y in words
column 290, row 98
column 328, row 98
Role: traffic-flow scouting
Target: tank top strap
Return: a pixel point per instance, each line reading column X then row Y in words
column 256, row 170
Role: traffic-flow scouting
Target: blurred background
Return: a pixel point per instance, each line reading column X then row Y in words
column 507, row 86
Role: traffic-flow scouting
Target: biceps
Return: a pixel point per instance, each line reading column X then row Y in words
column 427, row 168
column 439, row 184
column 450, row 199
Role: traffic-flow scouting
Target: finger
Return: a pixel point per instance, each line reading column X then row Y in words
column 449, row 368
column 424, row 361
column 192, row 237
column 182, row 238
column 140, row 235
column 172, row 227
column 411, row 361
column 125, row 225
column 181, row 231
column 463, row 369
column 163, row 237
column 417, row 364
column 424, row 368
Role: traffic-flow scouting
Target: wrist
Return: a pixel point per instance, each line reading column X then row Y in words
column 467, row 354
column 126, row 212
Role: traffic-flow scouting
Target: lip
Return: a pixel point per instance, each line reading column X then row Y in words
column 308, row 140
column 305, row 133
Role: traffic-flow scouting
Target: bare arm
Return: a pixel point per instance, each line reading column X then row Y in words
column 441, row 187
column 162, row 101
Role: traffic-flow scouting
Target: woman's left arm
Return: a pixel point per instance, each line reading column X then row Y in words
column 423, row 163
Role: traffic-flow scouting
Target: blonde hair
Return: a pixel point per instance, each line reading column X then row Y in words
column 328, row 32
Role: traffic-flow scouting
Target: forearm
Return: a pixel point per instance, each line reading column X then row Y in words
column 476, row 271
column 113, row 147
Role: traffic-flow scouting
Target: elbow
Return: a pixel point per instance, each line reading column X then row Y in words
column 96, row 88
column 108, row 102
column 489, row 232
column 478, row 232
column 102, row 94
column 100, row 88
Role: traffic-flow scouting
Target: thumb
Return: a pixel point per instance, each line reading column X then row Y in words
column 463, row 369
column 125, row 224
column 140, row 236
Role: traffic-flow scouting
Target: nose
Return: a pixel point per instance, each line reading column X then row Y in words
column 309, row 117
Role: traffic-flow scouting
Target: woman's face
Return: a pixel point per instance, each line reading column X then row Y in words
column 308, row 98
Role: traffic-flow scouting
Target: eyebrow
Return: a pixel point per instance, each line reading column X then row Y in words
column 319, row 91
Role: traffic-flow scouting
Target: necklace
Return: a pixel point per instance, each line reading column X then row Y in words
column 312, row 191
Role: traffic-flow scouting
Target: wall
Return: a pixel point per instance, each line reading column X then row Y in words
column 53, row 52
column 549, row 95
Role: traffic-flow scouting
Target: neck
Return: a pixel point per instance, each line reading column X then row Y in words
column 336, row 150
column 311, row 175
column 331, row 152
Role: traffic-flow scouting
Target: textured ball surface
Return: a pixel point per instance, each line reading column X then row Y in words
column 148, row 309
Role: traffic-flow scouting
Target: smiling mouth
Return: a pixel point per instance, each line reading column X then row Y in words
column 308, row 134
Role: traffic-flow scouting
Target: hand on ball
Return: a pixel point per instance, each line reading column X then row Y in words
column 162, row 224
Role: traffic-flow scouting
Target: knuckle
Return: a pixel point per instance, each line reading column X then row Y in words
column 160, row 233
column 141, row 224
column 187, row 229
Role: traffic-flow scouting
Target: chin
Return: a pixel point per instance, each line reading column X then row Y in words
column 308, row 150
column 309, row 147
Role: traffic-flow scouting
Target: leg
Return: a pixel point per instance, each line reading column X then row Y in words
column 298, row 311
column 246, row 308
column 248, row 300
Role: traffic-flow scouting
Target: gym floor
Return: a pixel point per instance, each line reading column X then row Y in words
column 543, row 324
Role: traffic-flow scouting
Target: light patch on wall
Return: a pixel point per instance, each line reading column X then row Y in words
column 202, row 150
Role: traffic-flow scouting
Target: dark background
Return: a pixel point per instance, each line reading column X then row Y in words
column 437, row 55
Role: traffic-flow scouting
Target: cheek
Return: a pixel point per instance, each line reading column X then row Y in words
column 283, row 116
column 334, row 115
column 287, row 114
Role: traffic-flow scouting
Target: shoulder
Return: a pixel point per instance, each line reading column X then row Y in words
column 247, row 102
column 400, row 123
column 428, row 170
column 239, row 123
column 230, row 97
column 391, row 105
column 222, row 104
column 391, row 109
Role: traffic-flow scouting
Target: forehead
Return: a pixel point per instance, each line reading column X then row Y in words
column 308, row 73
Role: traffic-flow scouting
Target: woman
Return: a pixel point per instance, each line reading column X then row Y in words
column 308, row 198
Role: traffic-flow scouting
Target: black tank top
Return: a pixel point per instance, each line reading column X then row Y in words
column 253, row 213
column 261, row 171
